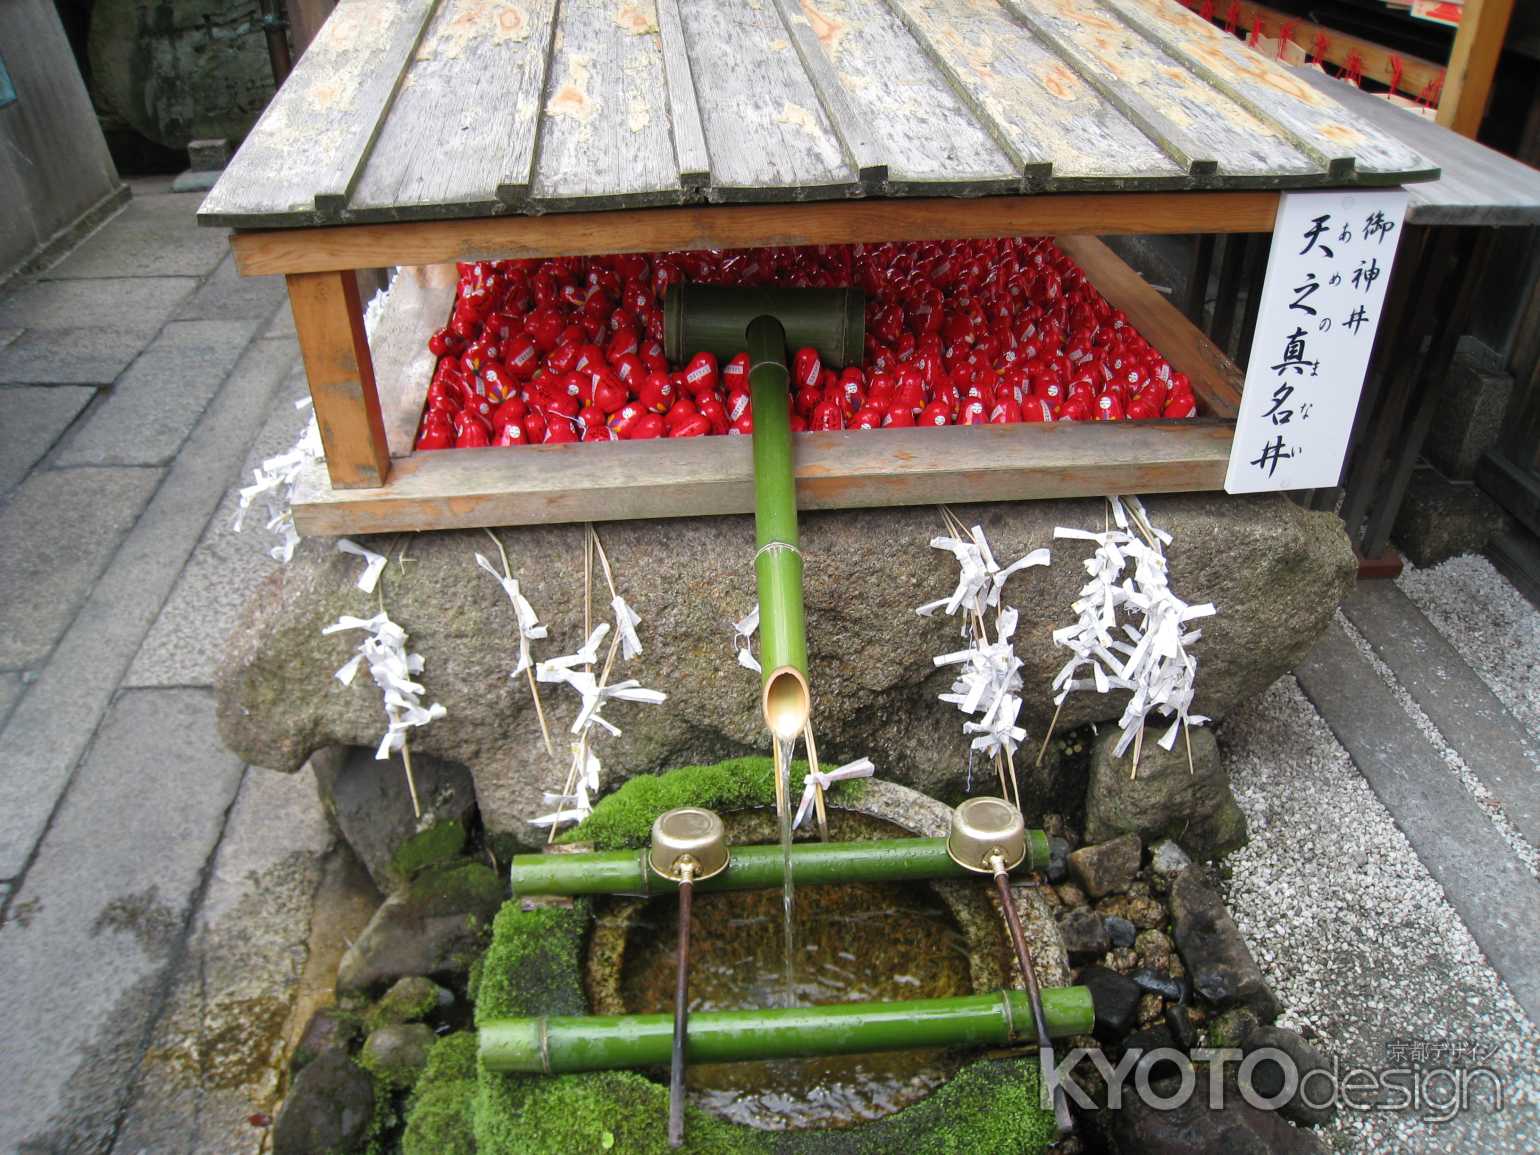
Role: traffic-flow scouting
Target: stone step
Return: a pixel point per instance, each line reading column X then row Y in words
column 1488, row 738
column 1486, row 883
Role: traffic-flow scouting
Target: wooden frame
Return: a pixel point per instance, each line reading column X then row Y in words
column 693, row 477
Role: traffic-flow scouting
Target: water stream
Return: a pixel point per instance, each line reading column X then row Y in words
column 783, row 752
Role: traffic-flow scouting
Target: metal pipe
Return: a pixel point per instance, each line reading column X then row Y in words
column 681, row 1010
column 1046, row 1060
column 275, row 25
column 754, row 867
column 553, row 1044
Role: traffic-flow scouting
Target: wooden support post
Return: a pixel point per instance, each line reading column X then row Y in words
column 1472, row 64
column 330, row 324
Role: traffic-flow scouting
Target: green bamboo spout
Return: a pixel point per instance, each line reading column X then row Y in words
column 778, row 561
column 552, row 1045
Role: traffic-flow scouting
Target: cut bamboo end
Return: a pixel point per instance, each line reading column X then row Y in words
column 787, row 702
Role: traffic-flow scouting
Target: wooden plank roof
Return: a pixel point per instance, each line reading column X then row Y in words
column 425, row 109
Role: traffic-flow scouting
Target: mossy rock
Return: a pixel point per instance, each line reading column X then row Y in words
column 438, row 843
column 464, row 886
column 438, row 1116
column 397, row 1055
column 410, row 1000
column 533, row 967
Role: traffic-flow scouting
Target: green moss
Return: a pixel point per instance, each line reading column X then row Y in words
column 438, row 843
column 462, row 886
column 624, row 818
column 617, row 1111
column 408, row 1001
column 534, row 965
column 438, row 1116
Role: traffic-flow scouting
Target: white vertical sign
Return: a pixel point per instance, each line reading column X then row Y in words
column 1321, row 302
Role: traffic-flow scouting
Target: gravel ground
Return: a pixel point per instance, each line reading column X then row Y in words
column 1490, row 623
column 1477, row 789
column 1357, row 939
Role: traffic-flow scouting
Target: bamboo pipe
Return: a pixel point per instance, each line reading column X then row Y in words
column 754, row 867
column 557, row 1044
column 777, row 562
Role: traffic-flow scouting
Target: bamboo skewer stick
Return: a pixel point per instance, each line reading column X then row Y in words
column 406, row 744
column 529, row 671
column 812, row 767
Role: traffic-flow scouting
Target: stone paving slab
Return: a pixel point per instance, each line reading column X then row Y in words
column 34, row 419
column 112, row 302
column 86, row 973
column 72, row 356
column 1496, row 897
column 53, row 723
column 57, row 533
column 283, row 322
column 155, row 235
column 155, row 404
column 1486, row 736
column 11, row 687
column 227, row 295
column 185, row 645
column 216, row 1052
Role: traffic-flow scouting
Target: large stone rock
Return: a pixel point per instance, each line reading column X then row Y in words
column 434, row 926
column 329, row 1108
column 1275, row 572
column 1107, row 867
column 372, row 804
column 1211, row 946
column 1168, row 798
column 1194, row 1128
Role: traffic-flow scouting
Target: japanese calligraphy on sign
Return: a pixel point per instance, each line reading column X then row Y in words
column 1321, row 302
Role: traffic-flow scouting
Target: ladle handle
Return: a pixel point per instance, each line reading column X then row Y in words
column 1046, row 1059
column 681, row 1017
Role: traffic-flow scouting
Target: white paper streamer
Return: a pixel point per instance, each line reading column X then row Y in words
column 743, row 640
column 374, row 563
column 1146, row 655
column 528, row 621
column 816, row 779
column 393, row 670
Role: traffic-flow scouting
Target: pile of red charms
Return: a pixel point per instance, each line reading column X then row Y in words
column 957, row 333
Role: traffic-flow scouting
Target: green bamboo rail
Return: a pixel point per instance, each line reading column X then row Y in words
column 754, row 867
column 552, row 1045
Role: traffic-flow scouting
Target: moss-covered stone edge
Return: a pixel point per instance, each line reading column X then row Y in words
column 534, row 965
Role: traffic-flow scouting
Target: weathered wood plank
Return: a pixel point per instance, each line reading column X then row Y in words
column 461, row 134
column 766, row 130
column 930, row 139
column 1272, row 93
column 692, row 477
column 690, row 155
column 1472, row 64
column 330, row 324
column 1216, row 381
column 1039, row 111
column 1416, row 73
column 604, row 138
column 1476, row 185
column 862, row 149
column 302, row 160
column 1197, row 126
column 740, row 226
column 420, row 300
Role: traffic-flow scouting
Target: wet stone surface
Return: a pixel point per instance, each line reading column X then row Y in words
column 856, row 943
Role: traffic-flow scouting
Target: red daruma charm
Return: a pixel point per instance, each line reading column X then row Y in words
column 701, row 373
column 806, row 368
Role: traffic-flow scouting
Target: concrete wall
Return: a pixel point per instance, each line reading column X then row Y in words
column 54, row 165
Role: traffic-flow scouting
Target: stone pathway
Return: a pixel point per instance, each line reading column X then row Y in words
column 167, row 914
column 157, row 893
